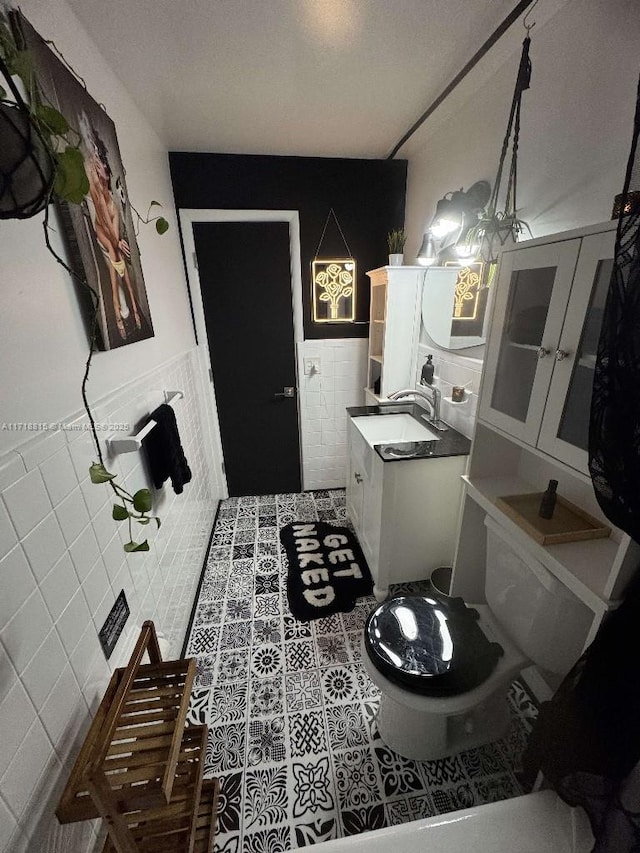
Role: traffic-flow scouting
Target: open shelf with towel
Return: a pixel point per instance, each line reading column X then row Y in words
column 131, row 443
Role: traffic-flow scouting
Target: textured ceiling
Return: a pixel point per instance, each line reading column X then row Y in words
column 333, row 78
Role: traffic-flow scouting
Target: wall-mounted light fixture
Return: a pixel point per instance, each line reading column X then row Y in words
column 457, row 213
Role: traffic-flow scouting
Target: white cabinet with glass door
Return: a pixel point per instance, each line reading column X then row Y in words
column 534, row 412
column 541, row 357
column 564, row 433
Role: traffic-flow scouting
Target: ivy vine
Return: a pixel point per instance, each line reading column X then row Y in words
column 71, row 185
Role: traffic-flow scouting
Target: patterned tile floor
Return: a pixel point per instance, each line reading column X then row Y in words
column 291, row 709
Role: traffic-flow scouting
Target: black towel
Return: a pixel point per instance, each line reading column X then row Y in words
column 164, row 451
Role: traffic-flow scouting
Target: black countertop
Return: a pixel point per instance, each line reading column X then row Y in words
column 449, row 443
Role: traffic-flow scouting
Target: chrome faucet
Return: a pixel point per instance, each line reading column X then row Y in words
column 433, row 400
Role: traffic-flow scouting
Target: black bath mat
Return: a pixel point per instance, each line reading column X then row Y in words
column 327, row 570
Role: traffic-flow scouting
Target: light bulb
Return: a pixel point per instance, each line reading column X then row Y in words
column 427, row 252
column 443, row 227
column 467, row 250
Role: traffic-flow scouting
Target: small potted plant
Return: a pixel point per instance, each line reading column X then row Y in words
column 396, row 240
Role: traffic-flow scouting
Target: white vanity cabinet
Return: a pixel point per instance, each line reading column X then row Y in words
column 404, row 512
column 534, row 412
column 364, row 493
column 394, row 329
column 541, row 356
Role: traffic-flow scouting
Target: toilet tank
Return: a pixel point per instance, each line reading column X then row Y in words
column 540, row 614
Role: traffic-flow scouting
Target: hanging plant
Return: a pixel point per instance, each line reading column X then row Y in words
column 27, row 168
column 497, row 226
column 41, row 160
column 46, row 137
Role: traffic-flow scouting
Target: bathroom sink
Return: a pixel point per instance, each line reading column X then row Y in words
column 392, row 429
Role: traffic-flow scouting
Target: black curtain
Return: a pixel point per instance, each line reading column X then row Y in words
column 586, row 740
column 614, row 434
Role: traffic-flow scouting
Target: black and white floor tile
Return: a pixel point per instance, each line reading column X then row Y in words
column 291, row 709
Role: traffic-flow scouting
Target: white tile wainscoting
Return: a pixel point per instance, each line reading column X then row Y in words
column 62, row 565
column 453, row 369
column 340, row 383
column 324, row 396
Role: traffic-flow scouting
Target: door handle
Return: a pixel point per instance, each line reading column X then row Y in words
column 287, row 392
column 543, row 352
column 561, row 354
column 357, row 477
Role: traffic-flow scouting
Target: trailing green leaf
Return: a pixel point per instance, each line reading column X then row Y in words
column 22, row 65
column 53, row 121
column 99, row 474
column 142, row 500
column 143, row 519
column 119, row 512
column 71, row 181
column 162, row 226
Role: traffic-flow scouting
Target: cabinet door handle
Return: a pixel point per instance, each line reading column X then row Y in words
column 561, row 354
column 543, row 352
column 357, row 476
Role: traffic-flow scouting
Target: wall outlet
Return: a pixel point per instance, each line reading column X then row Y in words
column 311, row 366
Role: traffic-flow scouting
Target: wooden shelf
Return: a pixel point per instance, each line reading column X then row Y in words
column 188, row 819
column 206, row 818
column 140, row 768
column 377, row 358
column 568, row 522
column 143, row 749
column 583, row 567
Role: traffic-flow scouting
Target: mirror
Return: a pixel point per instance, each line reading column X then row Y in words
column 454, row 306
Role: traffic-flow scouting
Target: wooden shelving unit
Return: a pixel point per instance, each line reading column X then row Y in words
column 140, row 768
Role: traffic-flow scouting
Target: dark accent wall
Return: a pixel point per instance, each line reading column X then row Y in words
column 368, row 197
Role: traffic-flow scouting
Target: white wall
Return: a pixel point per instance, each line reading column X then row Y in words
column 62, row 562
column 44, row 342
column 577, row 121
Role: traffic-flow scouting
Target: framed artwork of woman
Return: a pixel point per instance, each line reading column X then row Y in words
column 99, row 232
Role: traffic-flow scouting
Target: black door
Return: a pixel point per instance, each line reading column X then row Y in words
column 245, row 278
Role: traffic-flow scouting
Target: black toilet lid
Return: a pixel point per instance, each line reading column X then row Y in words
column 430, row 644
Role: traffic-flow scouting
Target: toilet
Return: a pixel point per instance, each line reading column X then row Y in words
column 444, row 666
